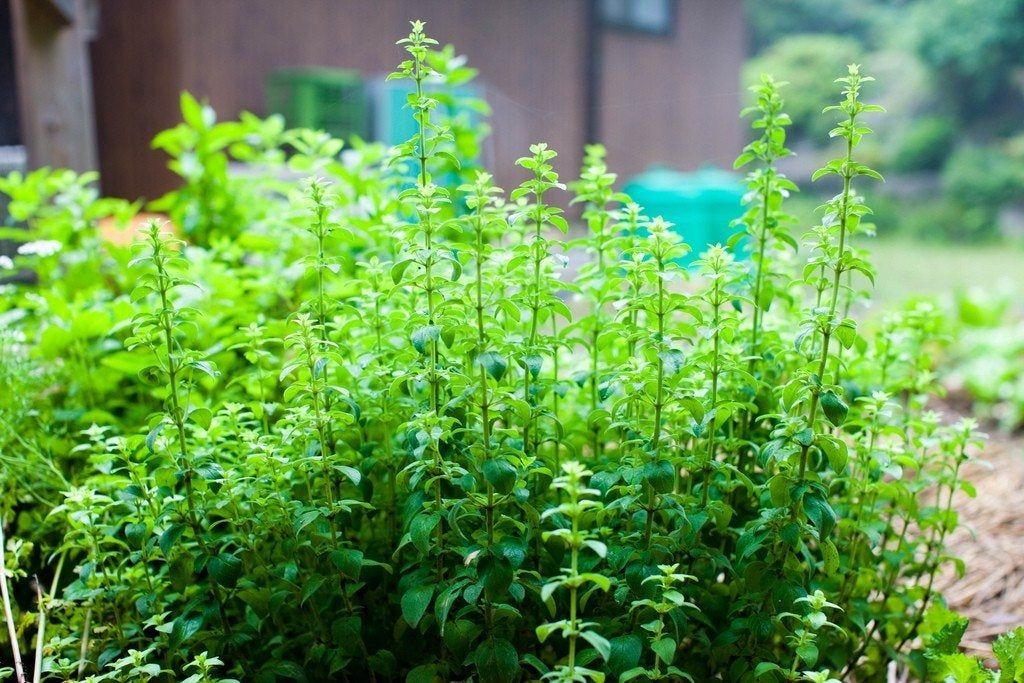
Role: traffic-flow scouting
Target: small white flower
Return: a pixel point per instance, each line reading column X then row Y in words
column 6, row 263
column 39, row 248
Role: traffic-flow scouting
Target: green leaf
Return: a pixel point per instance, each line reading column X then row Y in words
column 765, row 668
column 1009, row 651
column 496, row 661
column 424, row 673
column 284, row 668
column 835, row 408
column 420, row 529
column 496, row 574
column 425, row 335
column 835, row 450
column 808, row 653
column 350, row 473
column 672, row 360
column 310, row 588
column 305, row 518
column 624, row 653
column 444, row 602
column 415, row 602
column 459, row 636
column 846, row 333
column 398, row 270
column 599, row 642
column 533, row 362
column 191, row 110
column 659, row 475
column 349, row 562
column 183, row 629
column 136, row 533
column 493, row 363
column 830, row 557
column 820, row 513
column 225, row 569
column 170, row 537
column 665, row 648
column 500, row 474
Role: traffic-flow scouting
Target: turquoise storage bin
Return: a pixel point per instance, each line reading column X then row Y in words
column 701, row 204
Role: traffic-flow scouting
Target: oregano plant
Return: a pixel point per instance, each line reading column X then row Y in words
column 391, row 422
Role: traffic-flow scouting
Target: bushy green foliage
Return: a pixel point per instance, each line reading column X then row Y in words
column 772, row 20
column 975, row 47
column 364, row 427
column 925, row 145
column 984, row 177
column 987, row 357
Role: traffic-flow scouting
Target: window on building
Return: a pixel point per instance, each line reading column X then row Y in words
column 645, row 16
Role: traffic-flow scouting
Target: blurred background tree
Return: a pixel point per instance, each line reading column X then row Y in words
column 951, row 74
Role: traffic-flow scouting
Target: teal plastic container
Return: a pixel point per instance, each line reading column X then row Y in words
column 701, row 204
column 392, row 117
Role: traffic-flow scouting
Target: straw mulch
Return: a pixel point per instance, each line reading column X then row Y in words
column 990, row 540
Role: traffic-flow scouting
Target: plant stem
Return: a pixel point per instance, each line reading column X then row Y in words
column 573, row 573
column 759, row 277
column 838, row 271
column 12, row 631
column 716, row 302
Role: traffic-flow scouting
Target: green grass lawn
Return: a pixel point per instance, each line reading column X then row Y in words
column 906, row 268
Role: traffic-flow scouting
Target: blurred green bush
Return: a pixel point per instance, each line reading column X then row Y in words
column 809, row 61
column 925, row 146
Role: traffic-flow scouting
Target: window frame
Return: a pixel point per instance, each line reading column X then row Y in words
column 629, row 25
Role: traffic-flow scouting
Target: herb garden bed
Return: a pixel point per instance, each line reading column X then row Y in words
column 348, row 429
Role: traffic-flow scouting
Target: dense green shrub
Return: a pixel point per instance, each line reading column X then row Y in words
column 983, row 176
column 987, row 358
column 926, row 145
column 978, row 181
column 364, row 428
column 975, row 46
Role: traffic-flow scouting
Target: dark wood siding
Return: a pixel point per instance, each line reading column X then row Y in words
column 674, row 99
column 136, row 79
column 662, row 99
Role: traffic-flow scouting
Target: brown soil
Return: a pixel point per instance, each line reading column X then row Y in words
column 990, row 540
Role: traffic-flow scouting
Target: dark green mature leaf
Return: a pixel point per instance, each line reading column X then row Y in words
column 500, row 474
column 820, row 513
column 349, row 562
column 459, row 636
column 183, row 629
column 136, row 533
column 496, row 661
column 624, row 653
column 420, row 529
column 285, row 669
column 225, row 569
column 835, row 408
column 170, row 537
column 659, row 475
column 415, row 602
column 533, row 362
column 493, row 363
column 424, row 336
column 425, row 673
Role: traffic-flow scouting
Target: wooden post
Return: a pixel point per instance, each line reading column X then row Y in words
column 51, row 43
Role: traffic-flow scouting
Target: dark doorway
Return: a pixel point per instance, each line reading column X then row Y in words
column 10, row 130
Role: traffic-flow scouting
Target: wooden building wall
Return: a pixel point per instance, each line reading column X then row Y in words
column 531, row 54
column 675, row 100
column 53, row 81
